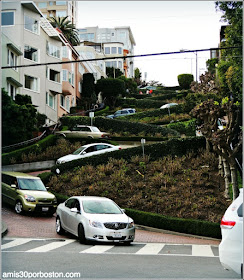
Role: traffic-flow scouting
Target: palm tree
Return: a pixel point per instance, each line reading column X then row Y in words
column 67, row 27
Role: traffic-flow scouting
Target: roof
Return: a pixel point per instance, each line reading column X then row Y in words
column 19, row 174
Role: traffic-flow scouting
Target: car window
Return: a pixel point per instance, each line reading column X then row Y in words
column 91, row 149
column 85, row 129
column 95, row 129
column 102, row 147
column 31, row 184
column 118, row 113
column 240, row 211
column 131, row 111
column 70, row 203
column 9, row 180
column 124, row 112
column 75, row 128
column 78, row 151
column 77, row 204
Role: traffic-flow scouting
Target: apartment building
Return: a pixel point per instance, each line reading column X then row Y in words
column 27, row 41
column 59, row 9
column 118, row 41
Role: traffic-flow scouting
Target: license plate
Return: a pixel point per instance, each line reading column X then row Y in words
column 45, row 209
column 116, row 234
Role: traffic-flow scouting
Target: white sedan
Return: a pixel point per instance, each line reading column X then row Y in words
column 94, row 218
column 88, row 151
column 231, row 246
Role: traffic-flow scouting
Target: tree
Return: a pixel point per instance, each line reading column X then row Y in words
column 231, row 83
column 112, row 72
column 19, row 119
column 88, row 90
column 138, row 76
column 67, row 28
column 185, row 80
column 111, row 89
column 227, row 142
column 130, row 85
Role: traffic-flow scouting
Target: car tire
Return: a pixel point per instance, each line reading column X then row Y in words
column 18, row 207
column 127, row 243
column 81, row 234
column 59, row 228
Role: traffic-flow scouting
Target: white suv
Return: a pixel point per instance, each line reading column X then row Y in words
column 231, row 246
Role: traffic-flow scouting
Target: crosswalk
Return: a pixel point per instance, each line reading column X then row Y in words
column 35, row 245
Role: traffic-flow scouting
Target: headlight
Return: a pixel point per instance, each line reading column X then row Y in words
column 95, row 224
column 30, row 198
column 131, row 224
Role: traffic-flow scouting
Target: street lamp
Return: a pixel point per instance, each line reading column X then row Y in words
column 195, row 52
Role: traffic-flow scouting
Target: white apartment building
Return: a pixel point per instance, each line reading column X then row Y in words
column 27, row 42
column 59, row 9
column 118, row 41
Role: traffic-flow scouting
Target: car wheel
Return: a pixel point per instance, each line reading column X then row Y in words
column 81, row 234
column 59, row 228
column 127, row 243
column 18, row 207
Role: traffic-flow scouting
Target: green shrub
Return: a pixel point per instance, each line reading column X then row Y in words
column 185, row 80
column 189, row 226
column 188, row 127
column 7, row 158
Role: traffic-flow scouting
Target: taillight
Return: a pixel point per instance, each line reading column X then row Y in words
column 119, row 148
column 227, row 224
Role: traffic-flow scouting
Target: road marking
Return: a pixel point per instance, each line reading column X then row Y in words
column 15, row 242
column 202, row 251
column 50, row 246
column 151, row 249
column 97, row 249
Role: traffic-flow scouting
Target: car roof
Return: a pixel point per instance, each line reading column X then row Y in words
column 93, row 144
column 19, row 174
column 90, row 198
column 81, row 125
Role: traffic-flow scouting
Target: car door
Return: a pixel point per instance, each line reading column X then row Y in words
column 9, row 193
column 65, row 213
column 74, row 217
column 101, row 149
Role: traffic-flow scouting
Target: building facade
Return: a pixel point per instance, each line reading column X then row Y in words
column 118, row 41
column 59, row 9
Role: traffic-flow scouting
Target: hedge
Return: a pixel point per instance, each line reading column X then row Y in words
column 184, row 127
column 174, row 147
column 188, row 226
column 119, row 125
column 50, row 140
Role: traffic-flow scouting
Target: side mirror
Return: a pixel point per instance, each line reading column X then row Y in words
column 74, row 210
column 13, row 186
column 83, row 153
column 123, row 210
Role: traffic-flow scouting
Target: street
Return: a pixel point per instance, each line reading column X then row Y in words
column 32, row 246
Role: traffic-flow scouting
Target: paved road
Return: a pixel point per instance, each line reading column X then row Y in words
column 44, row 227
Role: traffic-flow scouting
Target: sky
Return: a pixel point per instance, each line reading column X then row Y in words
column 158, row 27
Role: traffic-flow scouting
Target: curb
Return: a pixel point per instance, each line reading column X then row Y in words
column 146, row 228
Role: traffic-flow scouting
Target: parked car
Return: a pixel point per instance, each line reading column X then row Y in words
column 94, row 218
column 122, row 112
column 169, row 105
column 27, row 193
column 231, row 246
column 88, row 151
column 83, row 131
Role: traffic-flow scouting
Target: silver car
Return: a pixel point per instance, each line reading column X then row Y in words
column 94, row 218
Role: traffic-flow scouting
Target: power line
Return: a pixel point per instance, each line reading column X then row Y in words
column 117, row 57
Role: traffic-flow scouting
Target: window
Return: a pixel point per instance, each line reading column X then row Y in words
column 108, row 64
column 12, row 91
column 7, row 18
column 114, row 64
column 65, row 75
column 42, row 5
column 87, row 37
column 114, row 50
column 54, row 75
column 12, row 59
column 73, row 101
column 119, row 64
column 119, row 50
column 107, row 50
column 67, row 104
column 61, row 3
column 53, row 50
column 31, row 83
column 50, row 100
column 31, row 53
column 62, row 101
column 31, row 24
column 122, row 35
column 66, row 52
column 61, row 13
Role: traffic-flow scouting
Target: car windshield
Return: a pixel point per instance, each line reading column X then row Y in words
column 78, row 151
column 100, row 207
column 31, row 184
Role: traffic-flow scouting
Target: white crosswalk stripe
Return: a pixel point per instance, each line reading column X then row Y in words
column 15, row 242
column 50, row 246
column 99, row 249
column 202, row 251
column 151, row 249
